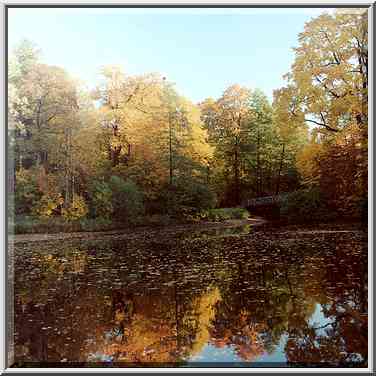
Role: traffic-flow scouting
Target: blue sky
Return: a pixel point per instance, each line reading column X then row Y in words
column 201, row 50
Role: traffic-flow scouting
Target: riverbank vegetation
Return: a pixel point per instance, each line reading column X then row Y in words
column 136, row 151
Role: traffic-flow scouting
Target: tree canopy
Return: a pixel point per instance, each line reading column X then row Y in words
column 173, row 156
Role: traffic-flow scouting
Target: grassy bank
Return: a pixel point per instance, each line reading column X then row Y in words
column 34, row 225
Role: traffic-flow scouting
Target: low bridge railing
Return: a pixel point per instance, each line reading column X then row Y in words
column 261, row 201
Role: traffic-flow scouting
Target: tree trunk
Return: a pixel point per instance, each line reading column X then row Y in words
column 115, row 155
column 236, row 174
column 280, row 169
column 170, row 147
column 68, row 169
column 258, row 189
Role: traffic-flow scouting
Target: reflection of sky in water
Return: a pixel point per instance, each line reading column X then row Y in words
column 225, row 309
column 210, row 353
column 319, row 320
column 228, row 354
column 99, row 357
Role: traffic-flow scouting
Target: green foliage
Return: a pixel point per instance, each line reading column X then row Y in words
column 184, row 199
column 223, row 214
column 127, row 199
column 239, row 213
column 253, row 153
column 56, row 224
column 193, row 194
column 26, row 193
column 306, row 205
column 101, row 200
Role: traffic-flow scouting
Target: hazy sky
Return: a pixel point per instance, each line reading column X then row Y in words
column 202, row 50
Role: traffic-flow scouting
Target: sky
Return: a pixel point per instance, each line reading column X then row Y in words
column 202, row 51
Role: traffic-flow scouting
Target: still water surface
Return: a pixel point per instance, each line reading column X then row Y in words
column 202, row 299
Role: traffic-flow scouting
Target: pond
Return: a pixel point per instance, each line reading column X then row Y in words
column 238, row 297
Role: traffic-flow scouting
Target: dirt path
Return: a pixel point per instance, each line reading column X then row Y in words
column 25, row 238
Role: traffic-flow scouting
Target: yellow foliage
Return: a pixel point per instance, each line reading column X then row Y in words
column 205, row 305
column 307, row 162
column 328, row 80
column 47, row 204
column 76, row 210
column 23, row 176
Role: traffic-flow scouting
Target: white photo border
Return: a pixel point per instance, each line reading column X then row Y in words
column 6, row 293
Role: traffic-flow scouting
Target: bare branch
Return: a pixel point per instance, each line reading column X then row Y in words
column 322, row 125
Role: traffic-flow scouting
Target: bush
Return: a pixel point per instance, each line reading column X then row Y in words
column 127, row 199
column 30, row 225
column 239, row 213
column 76, row 210
column 27, row 193
column 101, row 200
column 48, row 204
column 185, row 199
column 223, row 214
column 195, row 195
column 305, row 206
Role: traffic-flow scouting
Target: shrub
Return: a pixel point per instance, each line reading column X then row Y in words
column 222, row 214
column 305, row 206
column 27, row 193
column 195, row 195
column 127, row 199
column 101, row 200
column 48, row 204
column 239, row 213
column 185, row 199
column 76, row 210
column 29, row 224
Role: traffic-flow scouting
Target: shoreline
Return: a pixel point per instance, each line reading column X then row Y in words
column 27, row 237
column 258, row 223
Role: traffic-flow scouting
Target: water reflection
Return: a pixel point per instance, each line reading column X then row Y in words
column 193, row 302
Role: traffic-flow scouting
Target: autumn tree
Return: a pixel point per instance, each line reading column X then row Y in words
column 327, row 88
column 227, row 123
column 291, row 134
column 43, row 113
column 153, row 135
column 327, row 85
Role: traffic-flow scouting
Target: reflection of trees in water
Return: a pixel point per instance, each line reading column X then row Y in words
column 264, row 301
column 342, row 340
column 98, row 306
column 158, row 333
column 254, row 310
column 45, row 285
column 81, row 322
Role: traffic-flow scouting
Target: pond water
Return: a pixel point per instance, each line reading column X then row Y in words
column 252, row 299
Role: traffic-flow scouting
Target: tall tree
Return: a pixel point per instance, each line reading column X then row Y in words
column 327, row 85
column 227, row 121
